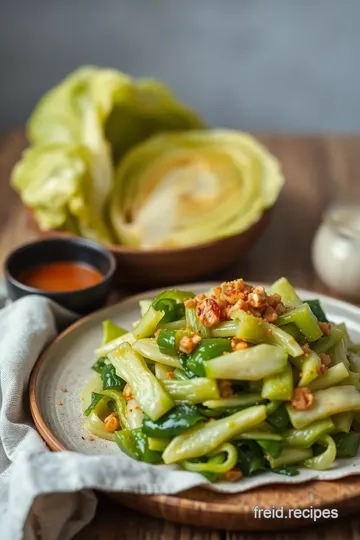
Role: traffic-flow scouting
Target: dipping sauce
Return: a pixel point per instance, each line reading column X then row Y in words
column 61, row 277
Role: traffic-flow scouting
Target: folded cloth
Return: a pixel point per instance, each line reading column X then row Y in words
column 48, row 495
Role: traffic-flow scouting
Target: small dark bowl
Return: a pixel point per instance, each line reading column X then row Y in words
column 52, row 250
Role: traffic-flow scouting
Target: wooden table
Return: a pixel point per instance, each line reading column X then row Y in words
column 318, row 170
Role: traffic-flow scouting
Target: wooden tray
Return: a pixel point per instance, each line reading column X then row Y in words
column 235, row 512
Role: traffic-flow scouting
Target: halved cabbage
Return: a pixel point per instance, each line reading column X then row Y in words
column 187, row 188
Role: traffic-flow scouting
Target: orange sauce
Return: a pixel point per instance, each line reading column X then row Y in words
column 61, row 277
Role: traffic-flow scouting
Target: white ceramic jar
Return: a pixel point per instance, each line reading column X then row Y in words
column 336, row 250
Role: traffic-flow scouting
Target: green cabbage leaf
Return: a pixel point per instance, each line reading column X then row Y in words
column 58, row 183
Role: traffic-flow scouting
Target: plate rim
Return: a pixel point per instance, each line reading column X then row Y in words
column 327, row 496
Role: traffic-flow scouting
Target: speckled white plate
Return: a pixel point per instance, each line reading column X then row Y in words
column 67, row 364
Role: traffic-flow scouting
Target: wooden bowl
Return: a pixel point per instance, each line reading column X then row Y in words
column 159, row 267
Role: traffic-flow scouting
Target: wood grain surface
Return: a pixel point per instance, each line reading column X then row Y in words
column 318, row 170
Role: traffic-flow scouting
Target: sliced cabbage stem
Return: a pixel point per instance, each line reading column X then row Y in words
column 213, row 465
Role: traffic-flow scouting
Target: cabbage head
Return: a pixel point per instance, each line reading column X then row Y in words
column 78, row 131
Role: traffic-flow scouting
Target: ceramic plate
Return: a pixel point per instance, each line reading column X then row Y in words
column 67, row 363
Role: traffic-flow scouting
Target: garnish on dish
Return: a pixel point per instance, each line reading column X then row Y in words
column 228, row 383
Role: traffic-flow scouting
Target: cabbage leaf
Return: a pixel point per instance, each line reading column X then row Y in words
column 129, row 110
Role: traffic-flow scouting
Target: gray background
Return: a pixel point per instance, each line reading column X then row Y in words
column 282, row 65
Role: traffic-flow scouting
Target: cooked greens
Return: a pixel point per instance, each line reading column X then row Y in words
column 235, row 398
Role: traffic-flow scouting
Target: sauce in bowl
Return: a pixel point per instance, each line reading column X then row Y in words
column 61, row 277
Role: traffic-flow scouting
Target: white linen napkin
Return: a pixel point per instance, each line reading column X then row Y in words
column 48, row 495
